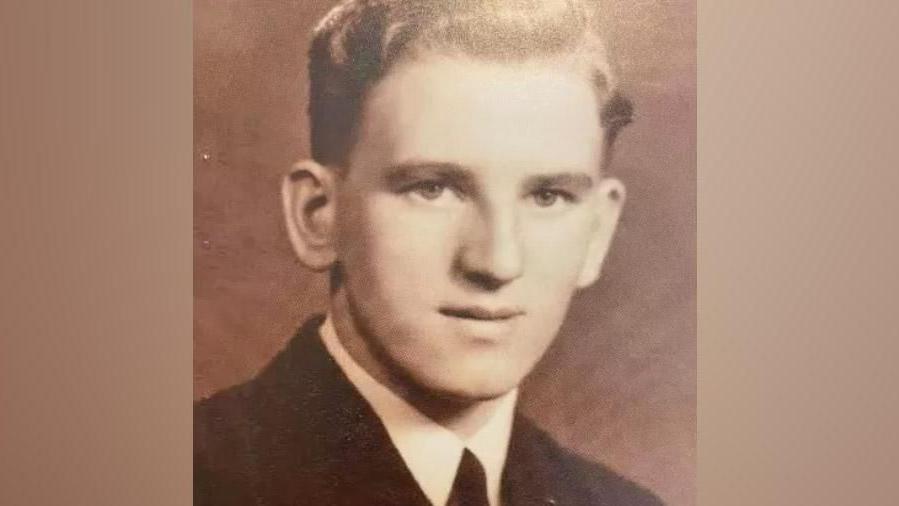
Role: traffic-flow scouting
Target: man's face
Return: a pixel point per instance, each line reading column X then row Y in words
column 465, row 217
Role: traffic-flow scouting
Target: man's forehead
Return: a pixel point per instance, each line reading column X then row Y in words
column 481, row 114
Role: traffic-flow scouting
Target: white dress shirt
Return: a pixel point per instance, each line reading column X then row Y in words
column 431, row 452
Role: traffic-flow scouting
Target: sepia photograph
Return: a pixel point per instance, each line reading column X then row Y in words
column 444, row 252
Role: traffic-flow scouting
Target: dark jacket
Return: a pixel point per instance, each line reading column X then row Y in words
column 300, row 434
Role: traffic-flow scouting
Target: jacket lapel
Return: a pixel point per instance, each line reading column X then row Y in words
column 529, row 477
column 342, row 453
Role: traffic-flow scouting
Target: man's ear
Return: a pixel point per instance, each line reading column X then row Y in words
column 308, row 193
column 609, row 203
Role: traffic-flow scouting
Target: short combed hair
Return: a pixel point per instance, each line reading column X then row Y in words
column 358, row 42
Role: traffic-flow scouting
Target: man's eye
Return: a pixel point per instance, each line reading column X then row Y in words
column 432, row 192
column 429, row 190
column 548, row 198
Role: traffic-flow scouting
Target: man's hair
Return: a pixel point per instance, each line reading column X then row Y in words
column 359, row 41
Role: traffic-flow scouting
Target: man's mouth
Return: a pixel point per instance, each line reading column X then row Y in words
column 481, row 313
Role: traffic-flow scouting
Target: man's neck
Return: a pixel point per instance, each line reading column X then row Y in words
column 462, row 416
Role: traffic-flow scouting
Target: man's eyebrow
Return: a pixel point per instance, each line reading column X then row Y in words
column 572, row 181
column 458, row 175
column 403, row 173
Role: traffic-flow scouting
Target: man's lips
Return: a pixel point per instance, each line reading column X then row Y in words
column 481, row 313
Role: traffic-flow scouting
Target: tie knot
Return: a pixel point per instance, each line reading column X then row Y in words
column 470, row 486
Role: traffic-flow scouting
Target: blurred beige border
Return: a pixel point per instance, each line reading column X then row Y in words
column 798, row 307
column 797, row 253
column 95, row 204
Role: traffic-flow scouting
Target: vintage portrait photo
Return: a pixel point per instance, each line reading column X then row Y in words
column 444, row 252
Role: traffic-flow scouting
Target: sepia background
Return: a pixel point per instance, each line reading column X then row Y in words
column 619, row 384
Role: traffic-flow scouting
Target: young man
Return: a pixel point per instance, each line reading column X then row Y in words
column 456, row 195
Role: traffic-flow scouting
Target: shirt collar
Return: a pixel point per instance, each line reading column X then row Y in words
column 431, row 452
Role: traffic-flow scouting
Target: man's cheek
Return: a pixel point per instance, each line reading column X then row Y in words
column 558, row 259
column 415, row 236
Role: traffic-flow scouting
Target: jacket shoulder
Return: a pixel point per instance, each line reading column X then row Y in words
column 585, row 482
column 233, row 424
column 223, row 448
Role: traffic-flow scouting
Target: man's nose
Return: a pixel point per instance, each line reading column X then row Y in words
column 491, row 254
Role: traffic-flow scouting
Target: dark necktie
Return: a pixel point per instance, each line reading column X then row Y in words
column 470, row 486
